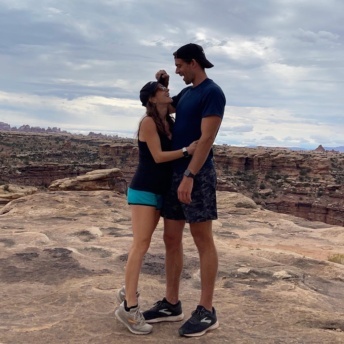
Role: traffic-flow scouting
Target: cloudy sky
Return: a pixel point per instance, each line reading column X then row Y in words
column 79, row 64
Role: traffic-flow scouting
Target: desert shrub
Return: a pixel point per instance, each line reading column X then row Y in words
column 336, row 258
column 262, row 186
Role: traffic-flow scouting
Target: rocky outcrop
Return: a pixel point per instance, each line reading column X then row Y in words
column 309, row 184
column 39, row 159
column 107, row 179
column 122, row 155
column 9, row 192
column 43, row 174
column 305, row 184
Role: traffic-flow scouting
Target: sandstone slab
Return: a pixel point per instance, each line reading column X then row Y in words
column 63, row 255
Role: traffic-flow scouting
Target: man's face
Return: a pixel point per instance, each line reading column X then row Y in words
column 184, row 70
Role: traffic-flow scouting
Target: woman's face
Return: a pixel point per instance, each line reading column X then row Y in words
column 162, row 95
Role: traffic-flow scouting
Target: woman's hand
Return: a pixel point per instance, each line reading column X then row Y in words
column 192, row 147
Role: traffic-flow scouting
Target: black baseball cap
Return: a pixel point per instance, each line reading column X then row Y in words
column 147, row 91
column 193, row 51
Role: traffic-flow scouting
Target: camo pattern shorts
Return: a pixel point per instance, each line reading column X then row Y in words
column 203, row 206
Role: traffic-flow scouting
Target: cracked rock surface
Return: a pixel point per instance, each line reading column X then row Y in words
column 63, row 255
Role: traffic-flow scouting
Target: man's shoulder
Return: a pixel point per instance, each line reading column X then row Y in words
column 212, row 84
column 213, row 89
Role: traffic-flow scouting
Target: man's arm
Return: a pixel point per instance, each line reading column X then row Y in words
column 209, row 128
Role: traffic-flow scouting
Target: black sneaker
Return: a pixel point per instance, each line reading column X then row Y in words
column 200, row 322
column 164, row 311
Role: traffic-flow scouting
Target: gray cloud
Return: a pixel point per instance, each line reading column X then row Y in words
column 79, row 64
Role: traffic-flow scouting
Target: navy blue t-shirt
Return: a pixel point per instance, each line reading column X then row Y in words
column 193, row 104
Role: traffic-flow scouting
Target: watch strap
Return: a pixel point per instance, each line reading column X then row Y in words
column 185, row 152
column 189, row 174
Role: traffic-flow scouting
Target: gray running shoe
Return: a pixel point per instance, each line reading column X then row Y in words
column 164, row 311
column 121, row 294
column 133, row 320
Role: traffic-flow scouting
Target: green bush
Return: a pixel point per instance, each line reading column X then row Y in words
column 336, row 258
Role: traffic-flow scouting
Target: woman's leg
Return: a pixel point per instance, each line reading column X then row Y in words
column 173, row 236
column 144, row 222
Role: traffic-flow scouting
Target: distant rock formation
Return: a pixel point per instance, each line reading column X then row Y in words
column 28, row 129
column 5, row 126
column 320, row 148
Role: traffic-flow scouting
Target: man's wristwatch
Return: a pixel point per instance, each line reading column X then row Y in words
column 185, row 152
column 189, row 174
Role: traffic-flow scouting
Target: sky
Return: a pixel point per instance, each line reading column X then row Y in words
column 79, row 64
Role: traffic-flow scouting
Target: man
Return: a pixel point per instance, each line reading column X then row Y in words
column 199, row 111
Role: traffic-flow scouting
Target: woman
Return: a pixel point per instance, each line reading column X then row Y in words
column 145, row 194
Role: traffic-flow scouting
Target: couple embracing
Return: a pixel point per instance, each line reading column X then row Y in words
column 175, row 179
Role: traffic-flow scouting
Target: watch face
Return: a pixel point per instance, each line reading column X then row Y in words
column 187, row 173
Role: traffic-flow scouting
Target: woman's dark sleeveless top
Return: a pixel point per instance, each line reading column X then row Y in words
column 149, row 175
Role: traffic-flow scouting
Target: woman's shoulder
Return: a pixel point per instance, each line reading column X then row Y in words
column 147, row 128
column 148, row 123
column 147, row 120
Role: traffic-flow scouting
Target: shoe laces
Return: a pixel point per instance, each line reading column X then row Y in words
column 199, row 313
column 138, row 316
column 158, row 303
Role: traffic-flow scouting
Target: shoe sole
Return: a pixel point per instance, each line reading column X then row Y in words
column 166, row 319
column 212, row 327
column 128, row 326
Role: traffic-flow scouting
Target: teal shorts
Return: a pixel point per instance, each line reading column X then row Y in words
column 138, row 197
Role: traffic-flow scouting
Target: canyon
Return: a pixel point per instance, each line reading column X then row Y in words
column 307, row 184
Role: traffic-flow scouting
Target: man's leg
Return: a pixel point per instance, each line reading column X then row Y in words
column 204, row 318
column 203, row 237
column 173, row 235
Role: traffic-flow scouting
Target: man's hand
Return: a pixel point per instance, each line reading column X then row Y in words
column 162, row 77
column 185, row 189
